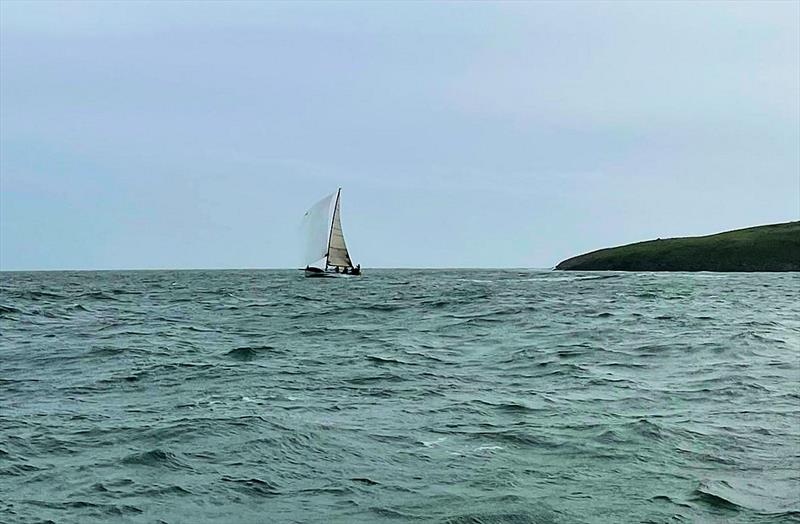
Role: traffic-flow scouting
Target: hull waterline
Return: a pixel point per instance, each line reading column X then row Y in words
column 327, row 274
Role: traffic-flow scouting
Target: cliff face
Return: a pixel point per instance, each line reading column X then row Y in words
column 773, row 247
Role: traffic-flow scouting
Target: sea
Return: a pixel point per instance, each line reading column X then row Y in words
column 443, row 396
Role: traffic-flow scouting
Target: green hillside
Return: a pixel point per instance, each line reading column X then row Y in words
column 773, row 247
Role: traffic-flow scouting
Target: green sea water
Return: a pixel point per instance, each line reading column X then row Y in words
column 460, row 396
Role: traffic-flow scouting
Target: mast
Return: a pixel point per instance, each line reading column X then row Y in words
column 333, row 219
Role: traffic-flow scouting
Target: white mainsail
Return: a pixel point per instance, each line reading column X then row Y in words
column 322, row 230
column 337, row 249
column 316, row 230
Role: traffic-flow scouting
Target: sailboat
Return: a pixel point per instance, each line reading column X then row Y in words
column 326, row 253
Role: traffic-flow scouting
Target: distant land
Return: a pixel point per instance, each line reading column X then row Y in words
column 774, row 247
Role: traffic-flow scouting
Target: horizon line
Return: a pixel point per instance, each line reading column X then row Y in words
column 63, row 270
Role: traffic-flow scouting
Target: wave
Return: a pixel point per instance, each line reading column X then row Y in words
column 7, row 310
column 395, row 514
column 259, row 305
column 435, row 304
column 253, row 486
column 508, row 407
column 702, row 494
column 118, row 291
column 248, row 353
column 366, row 481
column 611, row 437
column 163, row 491
column 488, row 315
column 127, row 487
column 198, row 329
column 97, row 295
column 670, row 500
column 648, row 429
column 90, row 507
column 514, row 437
column 739, row 496
column 383, row 307
column 37, row 295
column 372, row 379
column 156, row 458
column 109, row 485
column 78, row 307
column 16, row 470
column 386, row 360
column 499, row 518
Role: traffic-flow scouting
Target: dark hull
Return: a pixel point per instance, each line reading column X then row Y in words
column 318, row 273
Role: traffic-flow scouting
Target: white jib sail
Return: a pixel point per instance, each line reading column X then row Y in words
column 316, row 230
column 337, row 249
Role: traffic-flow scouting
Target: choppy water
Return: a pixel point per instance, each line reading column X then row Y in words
column 433, row 396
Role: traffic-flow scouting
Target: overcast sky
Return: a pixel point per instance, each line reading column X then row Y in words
column 196, row 134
